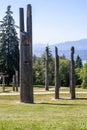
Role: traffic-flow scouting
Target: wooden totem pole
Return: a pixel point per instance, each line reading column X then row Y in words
column 57, row 80
column 16, row 78
column 72, row 75
column 26, row 85
column 3, row 83
column 47, row 70
column 13, row 83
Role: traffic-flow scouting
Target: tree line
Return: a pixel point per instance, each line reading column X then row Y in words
column 64, row 70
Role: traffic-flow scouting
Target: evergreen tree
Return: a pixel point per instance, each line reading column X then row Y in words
column 64, row 71
column 78, row 66
column 39, row 69
column 78, row 62
column 9, row 51
column 83, row 76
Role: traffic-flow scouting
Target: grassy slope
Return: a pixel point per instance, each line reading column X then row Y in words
column 45, row 114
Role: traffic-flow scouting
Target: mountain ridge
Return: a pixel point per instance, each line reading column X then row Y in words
column 64, row 48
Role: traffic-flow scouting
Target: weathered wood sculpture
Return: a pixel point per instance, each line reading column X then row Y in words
column 3, row 76
column 26, row 85
column 47, row 70
column 16, row 76
column 3, row 83
column 72, row 75
column 13, row 83
column 57, row 80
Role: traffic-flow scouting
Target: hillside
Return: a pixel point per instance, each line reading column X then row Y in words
column 64, row 48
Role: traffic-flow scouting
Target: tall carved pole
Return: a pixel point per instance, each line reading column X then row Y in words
column 26, row 90
column 57, row 81
column 13, row 83
column 16, row 76
column 46, row 71
column 72, row 75
column 3, row 83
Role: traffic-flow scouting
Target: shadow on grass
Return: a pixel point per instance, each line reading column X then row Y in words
column 67, row 103
column 71, row 99
column 81, row 99
column 63, row 104
column 39, row 86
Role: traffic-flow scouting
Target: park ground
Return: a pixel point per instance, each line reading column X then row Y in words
column 46, row 113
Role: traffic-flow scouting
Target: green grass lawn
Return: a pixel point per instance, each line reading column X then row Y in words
column 45, row 114
column 42, row 88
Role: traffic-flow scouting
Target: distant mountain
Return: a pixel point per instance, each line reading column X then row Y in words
column 39, row 49
column 79, row 45
column 64, row 48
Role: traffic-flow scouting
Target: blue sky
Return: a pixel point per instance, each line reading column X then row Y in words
column 54, row 21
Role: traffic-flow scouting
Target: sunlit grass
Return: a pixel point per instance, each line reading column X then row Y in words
column 45, row 114
column 38, row 88
column 62, row 89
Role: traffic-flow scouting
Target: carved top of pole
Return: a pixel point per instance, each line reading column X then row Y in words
column 56, row 50
column 26, row 36
column 47, row 49
column 72, row 50
column 29, row 19
column 47, row 52
column 21, row 14
column 29, row 12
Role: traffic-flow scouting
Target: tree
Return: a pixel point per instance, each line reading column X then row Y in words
column 39, row 69
column 50, row 67
column 38, row 74
column 64, row 72
column 78, row 62
column 83, row 75
column 78, row 66
column 9, row 51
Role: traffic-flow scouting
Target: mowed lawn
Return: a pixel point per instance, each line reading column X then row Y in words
column 45, row 114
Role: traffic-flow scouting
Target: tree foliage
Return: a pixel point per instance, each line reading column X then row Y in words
column 64, row 68
column 83, row 75
column 39, row 69
column 78, row 62
column 9, row 51
column 78, row 66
